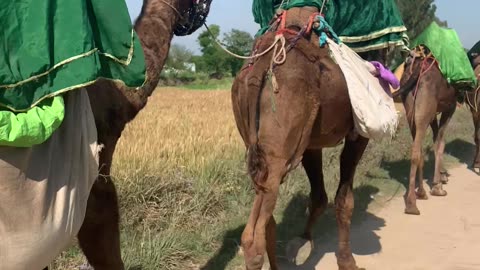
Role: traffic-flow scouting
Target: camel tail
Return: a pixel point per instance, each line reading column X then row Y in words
column 408, row 86
column 257, row 165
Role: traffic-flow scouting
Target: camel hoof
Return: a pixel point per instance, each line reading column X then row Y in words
column 298, row 250
column 256, row 263
column 438, row 192
column 422, row 195
column 412, row 210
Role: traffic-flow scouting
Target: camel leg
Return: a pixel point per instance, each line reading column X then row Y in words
column 271, row 243
column 437, row 189
column 476, row 136
column 312, row 162
column 258, row 236
column 418, row 134
column 344, row 201
column 443, row 171
column 99, row 236
column 300, row 248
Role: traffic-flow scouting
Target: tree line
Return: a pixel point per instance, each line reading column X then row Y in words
column 213, row 62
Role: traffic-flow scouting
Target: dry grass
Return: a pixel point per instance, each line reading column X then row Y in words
column 179, row 130
column 185, row 196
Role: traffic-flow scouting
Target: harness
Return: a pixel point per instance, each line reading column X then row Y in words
column 315, row 23
column 474, row 105
column 419, row 52
column 191, row 18
column 424, row 68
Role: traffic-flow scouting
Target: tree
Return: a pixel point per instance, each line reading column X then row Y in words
column 417, row 15
column 239, row 42
column 214, row 60
column 178, row 56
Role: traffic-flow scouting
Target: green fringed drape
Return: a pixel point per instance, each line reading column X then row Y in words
column 447, row 48
column 52, row 46
column 362, row 25
column 49, row 47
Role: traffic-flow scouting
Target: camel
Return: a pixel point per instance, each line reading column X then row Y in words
column 286, row 112
column 114, row 106
column 425, row 93
column 473, row 101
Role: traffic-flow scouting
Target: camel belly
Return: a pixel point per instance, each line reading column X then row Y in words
column 332, row 124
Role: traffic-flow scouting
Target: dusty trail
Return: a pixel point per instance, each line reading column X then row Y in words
column 446, row 236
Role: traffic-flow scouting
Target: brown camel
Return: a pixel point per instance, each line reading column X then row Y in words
column 425, row 93
column 473, row 100
column 114, row 106
column 288, row 116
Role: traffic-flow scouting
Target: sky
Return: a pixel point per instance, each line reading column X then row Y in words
column 461, row 15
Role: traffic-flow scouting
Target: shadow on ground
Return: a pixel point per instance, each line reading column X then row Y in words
column 399, row 170
column 364, row 241
column 462, row 150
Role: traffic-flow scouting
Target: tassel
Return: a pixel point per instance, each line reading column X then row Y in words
column 275, row 84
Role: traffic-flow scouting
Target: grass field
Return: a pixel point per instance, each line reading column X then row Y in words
column 185, row 196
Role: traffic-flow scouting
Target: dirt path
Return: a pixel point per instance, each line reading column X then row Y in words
column 446, row 236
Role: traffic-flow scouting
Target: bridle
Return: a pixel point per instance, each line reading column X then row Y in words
column 192, row 18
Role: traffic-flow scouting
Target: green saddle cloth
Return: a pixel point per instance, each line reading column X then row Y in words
column 447, row 48
column 50, row 47
column 361, row 25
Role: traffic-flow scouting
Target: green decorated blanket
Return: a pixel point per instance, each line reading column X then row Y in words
column 50, row 47
column 361, row 25
column 447, row 48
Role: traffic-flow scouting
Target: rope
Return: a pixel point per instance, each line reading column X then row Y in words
column 323, row 6
column 278, row 38
column 474, row 100
column 323, row 29
column 172, row 7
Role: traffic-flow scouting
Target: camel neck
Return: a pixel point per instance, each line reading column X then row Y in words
column 155, row 27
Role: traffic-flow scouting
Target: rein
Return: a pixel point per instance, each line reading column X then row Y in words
column 423, row 70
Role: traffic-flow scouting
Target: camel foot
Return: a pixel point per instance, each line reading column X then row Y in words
column 256, row 263
column 422, row 195
column 437, row 191
column 412, row 210
column 476, row 169
column 298, row 250
column 476, row 164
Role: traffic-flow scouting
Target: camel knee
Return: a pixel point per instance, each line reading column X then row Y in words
column 344, row 203
column 247, row 239
column 319, row 202
column 416, row 157
column 254, row 247
column 254, row 263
